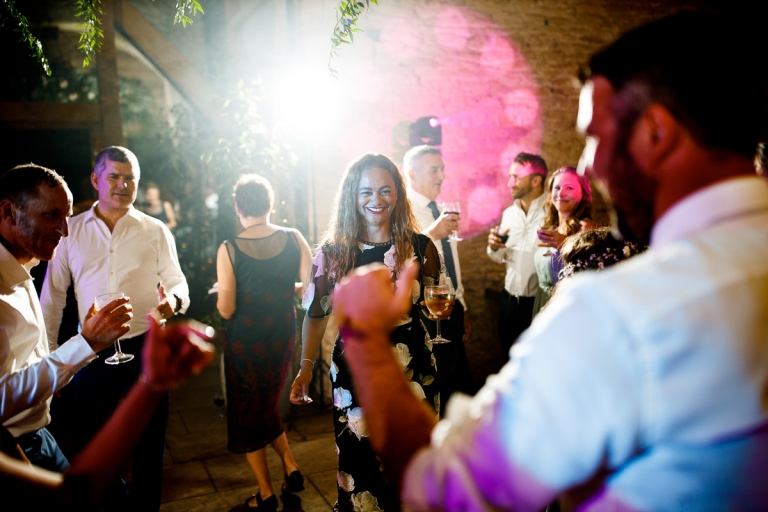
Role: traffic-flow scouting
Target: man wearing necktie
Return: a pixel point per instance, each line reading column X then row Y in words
column 424, row 168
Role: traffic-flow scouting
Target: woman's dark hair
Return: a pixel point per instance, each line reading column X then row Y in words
column 582, row 212
column 253, row 195
column 346, row 223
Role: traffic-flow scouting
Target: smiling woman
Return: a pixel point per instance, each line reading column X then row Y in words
column 568, row 211
column 372, row 222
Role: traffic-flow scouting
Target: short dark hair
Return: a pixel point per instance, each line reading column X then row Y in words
column 706, row 69
column 416, row 153
column 20, row 184
column 115, row 154
column 253, row 195
column 534, row 161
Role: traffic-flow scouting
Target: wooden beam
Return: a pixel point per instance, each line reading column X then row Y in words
column 109, row 93
column 39, row 112
column 174, row 66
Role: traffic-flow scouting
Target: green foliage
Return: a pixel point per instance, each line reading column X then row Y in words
column 8, row 11
column 90, row 30
column 346, row 26
column 186, row 6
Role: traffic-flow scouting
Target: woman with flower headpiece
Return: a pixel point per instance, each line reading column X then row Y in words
column 594, row 249
column 568, row 210
column 371, row 222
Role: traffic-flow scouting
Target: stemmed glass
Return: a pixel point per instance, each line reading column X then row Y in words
column 453, row 208
column 438, row 300
column 119, row 357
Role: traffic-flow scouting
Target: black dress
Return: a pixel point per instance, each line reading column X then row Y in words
column 361, row 481
column 260, row 337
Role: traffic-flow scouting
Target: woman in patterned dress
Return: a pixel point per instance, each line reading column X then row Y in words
column 256, row 276
column 372, row 222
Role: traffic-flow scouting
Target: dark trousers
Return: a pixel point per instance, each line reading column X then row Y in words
column 97, row 389
column 41, row 449
column 453, row 373
column 515, row 315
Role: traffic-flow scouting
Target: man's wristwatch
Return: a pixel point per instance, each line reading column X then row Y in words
column 178, row 304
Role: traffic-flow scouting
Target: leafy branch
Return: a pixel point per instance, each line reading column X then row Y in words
column 186, row 6
column 90, row 29
column 346, row 26
column 11, row 12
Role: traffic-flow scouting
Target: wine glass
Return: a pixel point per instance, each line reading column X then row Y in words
column 119, row 357
column 438, row 300
column 453, row 208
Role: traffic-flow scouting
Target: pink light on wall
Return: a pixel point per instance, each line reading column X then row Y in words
column 454, row 63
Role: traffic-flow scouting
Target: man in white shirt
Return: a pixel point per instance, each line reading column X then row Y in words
column 113, row 247
column 425, row 171
column 35, row 205
column 643, row 386
column 519, row 224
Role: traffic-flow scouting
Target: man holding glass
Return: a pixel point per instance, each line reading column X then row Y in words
column 514, row 243
column 35, row 205
column 425, row 171
column 114, row 248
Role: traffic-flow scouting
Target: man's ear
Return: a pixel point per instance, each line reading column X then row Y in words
column 7, row 212
column 655, row 138
column 540, row 182
column 95, row 181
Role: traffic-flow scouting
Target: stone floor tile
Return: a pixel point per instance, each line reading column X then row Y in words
column 197, row 445
column 186, row 480
column 193, row 397
column 176, row 424
column 325, row 484
column 200, row 419
column 315, row 456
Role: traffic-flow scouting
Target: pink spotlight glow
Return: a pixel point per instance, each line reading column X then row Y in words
column 459, row 66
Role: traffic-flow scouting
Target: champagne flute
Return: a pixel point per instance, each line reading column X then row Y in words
column 455, row 209
column 101, row 301
column 438, row 300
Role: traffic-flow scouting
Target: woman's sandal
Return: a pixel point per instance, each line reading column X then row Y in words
column 293, row 483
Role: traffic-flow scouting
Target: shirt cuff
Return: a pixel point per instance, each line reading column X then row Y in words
column 75, row 353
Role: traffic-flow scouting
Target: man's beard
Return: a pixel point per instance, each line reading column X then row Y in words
column 632, row 195
column 522, row 192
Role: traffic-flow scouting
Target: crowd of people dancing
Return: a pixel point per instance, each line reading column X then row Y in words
column 638, row 351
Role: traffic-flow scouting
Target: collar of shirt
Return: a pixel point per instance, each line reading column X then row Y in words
column 536, row 204
column 417, row 199
column 13, row 273
column 132, row 213
column 709, row 206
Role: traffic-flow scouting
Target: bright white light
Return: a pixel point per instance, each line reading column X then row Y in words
column 307, row 100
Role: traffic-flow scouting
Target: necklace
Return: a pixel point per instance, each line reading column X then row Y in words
column 374, row 244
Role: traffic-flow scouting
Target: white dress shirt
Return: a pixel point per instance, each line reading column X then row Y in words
column 133, row 259
column 30, row 374
column 521, row 278
column 651, row 373
column 424, row 217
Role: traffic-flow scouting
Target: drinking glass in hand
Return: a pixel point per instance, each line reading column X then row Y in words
column 455, row 209
column 99, row 303
column 438, row 300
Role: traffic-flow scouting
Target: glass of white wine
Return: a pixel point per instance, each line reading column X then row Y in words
column 438, row 301
column 101, row 301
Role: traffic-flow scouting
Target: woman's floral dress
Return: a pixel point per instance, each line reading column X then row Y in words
column 363, row 484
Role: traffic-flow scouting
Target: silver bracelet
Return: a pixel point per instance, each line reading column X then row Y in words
column 311, row 361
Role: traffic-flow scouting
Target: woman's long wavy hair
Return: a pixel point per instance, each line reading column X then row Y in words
column 346, row 224
column 582, row 212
